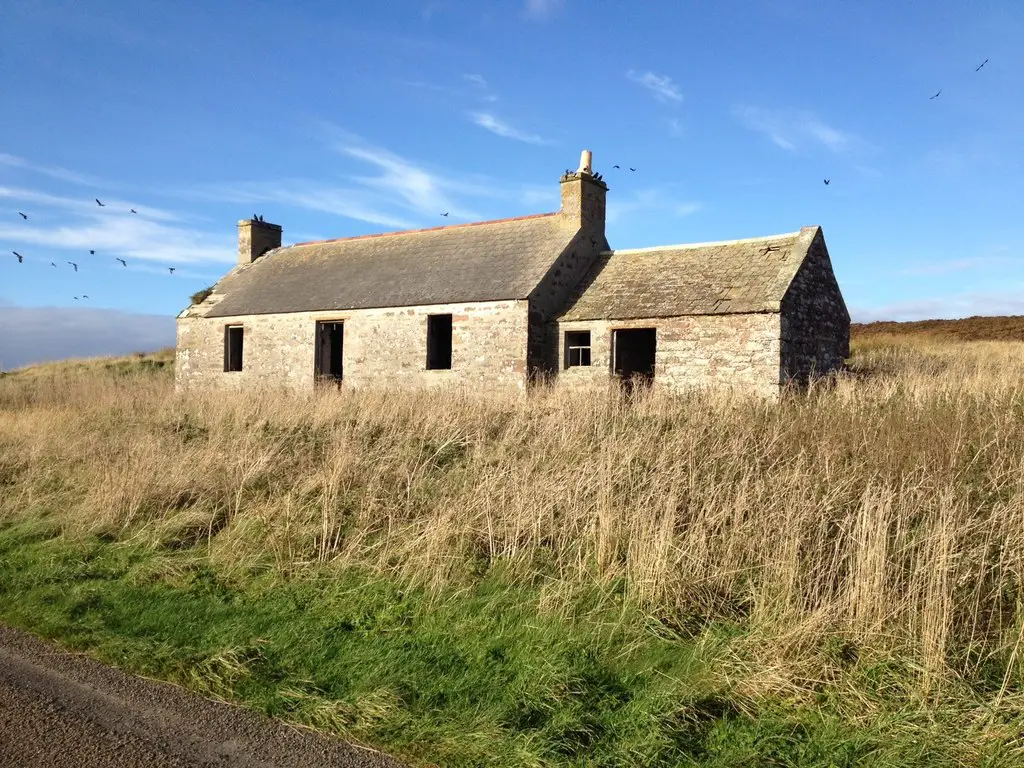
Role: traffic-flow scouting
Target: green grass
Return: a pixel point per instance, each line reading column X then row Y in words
column 553, row 580
column 480, row 676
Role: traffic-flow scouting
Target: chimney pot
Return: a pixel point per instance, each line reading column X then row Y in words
column 586, row 161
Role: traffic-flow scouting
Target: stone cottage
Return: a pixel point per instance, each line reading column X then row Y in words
column 501, row 304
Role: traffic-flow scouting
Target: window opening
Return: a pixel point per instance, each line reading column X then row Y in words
column 577, row 348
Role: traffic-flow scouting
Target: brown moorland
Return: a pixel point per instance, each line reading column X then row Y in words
column 976, row 328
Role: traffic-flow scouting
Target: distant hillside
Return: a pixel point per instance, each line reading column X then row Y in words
column 966, row 329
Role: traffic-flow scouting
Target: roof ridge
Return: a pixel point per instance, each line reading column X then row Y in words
column 683, row 246
column 426, row 229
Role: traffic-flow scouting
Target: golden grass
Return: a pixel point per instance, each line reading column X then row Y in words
column 886, row 508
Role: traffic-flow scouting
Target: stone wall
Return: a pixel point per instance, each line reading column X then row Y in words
column 815, row 324
column 549, row 298
column 740, row 351
column 256, row 238
column 382, row 348
column 583, row 205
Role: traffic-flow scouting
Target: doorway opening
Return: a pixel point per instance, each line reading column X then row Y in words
column 439, row 342
column 234, row 338
column 330, row 347
column 635, row 350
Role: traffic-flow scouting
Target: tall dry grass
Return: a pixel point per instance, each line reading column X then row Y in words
column 886, row 509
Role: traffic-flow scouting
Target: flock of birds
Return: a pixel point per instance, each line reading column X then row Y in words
column 933, row 96
column 92, row 252
column 976, row 69
column 827, row 181
column 101, row 204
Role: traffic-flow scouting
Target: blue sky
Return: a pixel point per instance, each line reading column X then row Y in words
column 337, row 119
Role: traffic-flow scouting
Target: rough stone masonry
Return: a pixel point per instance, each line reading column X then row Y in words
column 503, row 304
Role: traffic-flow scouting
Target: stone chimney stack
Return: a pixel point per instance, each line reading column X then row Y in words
column 583, row 196
column 256, row 237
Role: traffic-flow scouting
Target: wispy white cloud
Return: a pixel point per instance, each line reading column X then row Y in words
column 646, row 201
column 349, row 203
column 482, row 87
column 152, row 234
column 473, row 86
column 661, row 86
column 111, row 206
column 129, row 238
column 421, row 190
column 435, row 87
column 945, row 307
column 495, row 125
column 400, row 194
column 794, row 130
column 53, row 171
column 543, row 9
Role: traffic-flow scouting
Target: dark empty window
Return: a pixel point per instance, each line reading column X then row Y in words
column 439, row 342
column 577, row 348
column 233, row 336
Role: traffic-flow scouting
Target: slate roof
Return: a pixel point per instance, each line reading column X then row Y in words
column 734, row 276
column 488, row 261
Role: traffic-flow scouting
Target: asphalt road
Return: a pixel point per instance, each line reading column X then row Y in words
column 62, row 710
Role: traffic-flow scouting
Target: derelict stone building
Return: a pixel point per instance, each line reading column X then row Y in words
column 499, row 304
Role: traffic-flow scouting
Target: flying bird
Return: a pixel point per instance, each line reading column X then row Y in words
column 615, row 166
column 23, row 215
column 84, row 296
column 76, row 298
column 92, row 253
column 133, row 210
column 446, row 213
column 101, row 205
column 123, row 262
column 20, row 257
column 52, row 264
column 827, row 181
column 633, row 169
column 936, row 95
column 73, row 265
column 171, row 270
column 981, row 65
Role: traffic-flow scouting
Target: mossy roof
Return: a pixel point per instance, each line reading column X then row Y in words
column 487, row 261
column 734, row 276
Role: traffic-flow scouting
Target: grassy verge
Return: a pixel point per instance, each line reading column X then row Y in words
column 482, row 676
